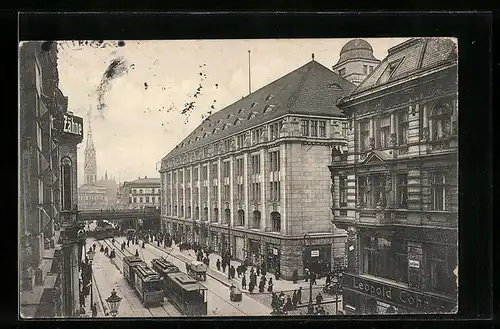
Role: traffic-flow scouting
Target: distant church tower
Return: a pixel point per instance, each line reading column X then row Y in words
column 90, row 170
column 356, row 61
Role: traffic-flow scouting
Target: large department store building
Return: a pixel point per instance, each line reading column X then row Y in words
column 397, row 187
column 253, row 177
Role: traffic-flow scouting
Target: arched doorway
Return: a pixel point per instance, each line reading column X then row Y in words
column 275, row 221
column 241, row 218
column 256, row 219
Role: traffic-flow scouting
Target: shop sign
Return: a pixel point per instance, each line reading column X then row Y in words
column 275, row 251
column 413, row 263
column 314, row 253
column 397, row 295
column 73, row 125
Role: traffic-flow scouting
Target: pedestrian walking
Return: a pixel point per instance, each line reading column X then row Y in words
column 313, row 278
column 238, row 271
column 295, row 276
column 251, row 286
column 94, row 310
column 137, row 253
column 258, row 270
column 270, row 285
column 143, row 244
column 232, row 272
column 277, row 273
column 319, row 298
column 299, row 296
column 294, row 298
column 223, row 266
column 217, row 264
column 244, row 282
column 306, row 275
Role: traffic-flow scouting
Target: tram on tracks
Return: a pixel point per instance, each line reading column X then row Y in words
column 147, row 283
column 163, row 266
column 186, row 293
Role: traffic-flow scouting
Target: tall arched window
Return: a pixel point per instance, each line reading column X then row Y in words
column 256, row 219
column 275, row 222
column 205, row 213
column 228, row 216
column 215, row 217
column 241, row 218
column 66, row 183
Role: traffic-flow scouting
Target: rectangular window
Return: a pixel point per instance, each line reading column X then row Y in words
column 314, row 128
column 227, row 192
column 322, row 129
column 204, row 173
column 365, row 69
column 371, row 69
column 227, row 169
column 240, row 140
column 130, row 200
column 274, row 191
column 441, row 261
column 215, row 195
column 255, row 192
column 402, row 191
column 439, row 190
column 255, row 164
column 239, row 192
column 345, row 126
column 147, row 199
column 364, row 134
column 256, row 133
column 342, row 72
column 274, row 161
column 305, row 127
column 195, row 174
column 385, row 258
column 441, row 126
column 215, row 171
column 343, row 191
column 275, row 130
column 239, row 167
column 384, row 132
column 140, row 200
column 402, row 129
column 227, row 145
column 181, row 179
column 363, row 194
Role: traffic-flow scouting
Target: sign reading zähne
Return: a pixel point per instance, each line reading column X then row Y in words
column 73, row 125
column 396, row 295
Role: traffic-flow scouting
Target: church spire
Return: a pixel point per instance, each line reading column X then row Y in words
column 90, row 142
column 106, row 175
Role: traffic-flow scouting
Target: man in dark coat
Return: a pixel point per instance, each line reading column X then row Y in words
column 217, row 264
column 299, row 295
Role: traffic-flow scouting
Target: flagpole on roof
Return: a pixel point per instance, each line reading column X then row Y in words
column 249, row 75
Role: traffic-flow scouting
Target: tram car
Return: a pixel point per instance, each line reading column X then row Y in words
column 186, row 293
column 163, row 266
column 102, row 233
column 148, row 285
column 129, row 262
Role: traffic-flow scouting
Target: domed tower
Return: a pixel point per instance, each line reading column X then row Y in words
column 356, row 61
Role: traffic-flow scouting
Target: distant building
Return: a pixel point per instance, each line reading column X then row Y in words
column 356, row 61
column 252, row 179
column 397, row 187
column 143, row 192
column 95, row 194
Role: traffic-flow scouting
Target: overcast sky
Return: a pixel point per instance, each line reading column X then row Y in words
column 134, row 128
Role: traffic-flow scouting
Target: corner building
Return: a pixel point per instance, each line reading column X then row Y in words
column 397, row 186
column 253, row 177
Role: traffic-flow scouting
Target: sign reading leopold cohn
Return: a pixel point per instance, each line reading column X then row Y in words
column 397, row 295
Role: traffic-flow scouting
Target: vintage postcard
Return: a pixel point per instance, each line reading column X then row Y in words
column 260, row 177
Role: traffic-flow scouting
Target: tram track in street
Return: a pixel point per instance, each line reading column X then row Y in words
column 117, row 250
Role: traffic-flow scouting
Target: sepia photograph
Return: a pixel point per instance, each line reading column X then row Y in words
column 238, row 177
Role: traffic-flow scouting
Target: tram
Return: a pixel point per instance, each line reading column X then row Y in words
column 129, row 262
column 187, row 294
column 148, row 285
column 163, row 266
column 102, row 233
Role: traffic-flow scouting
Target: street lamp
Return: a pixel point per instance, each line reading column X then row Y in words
column 310, row 306
column 113, row 303
column 90, row 256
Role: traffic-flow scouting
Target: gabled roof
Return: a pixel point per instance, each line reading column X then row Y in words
column 311, row 89
column 410, row 57
column 376, row 156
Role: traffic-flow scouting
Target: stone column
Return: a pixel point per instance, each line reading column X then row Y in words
column 425, row 123
column 372, row 133
column 191, row 187
column 219, row 190
column 416, row 266
column 246, row 203
column 414, row 195
column 351, row 195
column 393, row 130
column 209, row 192
column 351, row 148
column 352, row 250
column 283, row 195
column 198, row 215
column 264, row 179
column 231, row 189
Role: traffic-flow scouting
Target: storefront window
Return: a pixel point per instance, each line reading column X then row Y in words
column 385, row 258
column 441, row 261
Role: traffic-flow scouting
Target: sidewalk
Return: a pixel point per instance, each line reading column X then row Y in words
column 279, row 285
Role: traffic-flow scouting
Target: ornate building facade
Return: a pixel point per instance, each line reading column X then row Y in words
column 49, row 135
column 143, row 192
column 252, row 179
column 396, row 188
